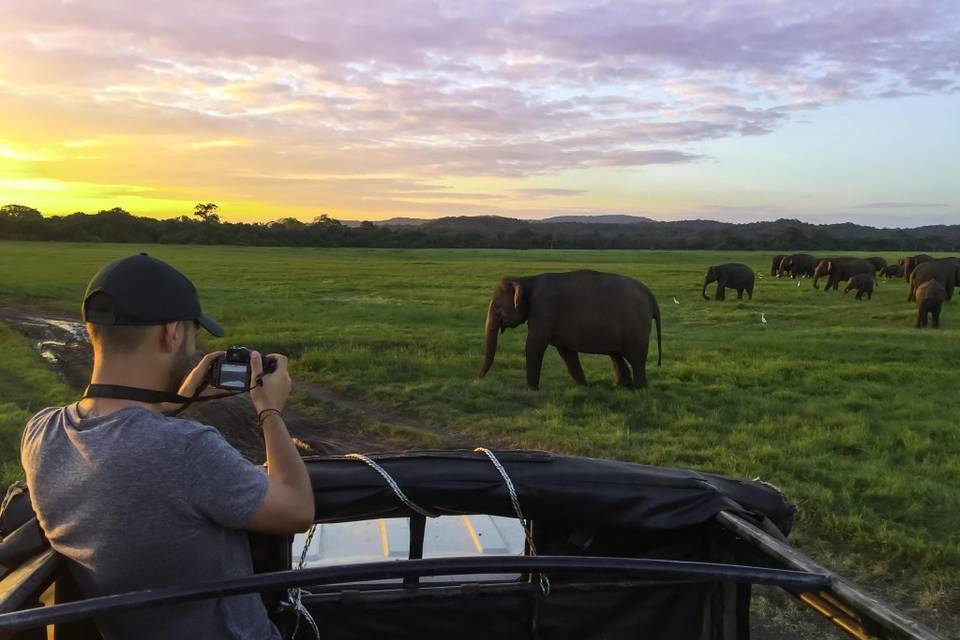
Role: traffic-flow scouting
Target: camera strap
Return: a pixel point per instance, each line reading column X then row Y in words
column 152, row 396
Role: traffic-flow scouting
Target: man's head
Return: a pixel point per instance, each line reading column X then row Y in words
column 142, row 313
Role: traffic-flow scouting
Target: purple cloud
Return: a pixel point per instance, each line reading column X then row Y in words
column 443, row 90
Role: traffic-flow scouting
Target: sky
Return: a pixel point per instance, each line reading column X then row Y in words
column 737, row 111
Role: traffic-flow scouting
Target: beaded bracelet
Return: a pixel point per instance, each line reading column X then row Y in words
column 266, row 413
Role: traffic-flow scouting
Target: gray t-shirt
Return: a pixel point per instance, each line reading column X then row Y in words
column 138, row 500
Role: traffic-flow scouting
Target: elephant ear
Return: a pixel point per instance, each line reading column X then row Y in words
column 517, row 293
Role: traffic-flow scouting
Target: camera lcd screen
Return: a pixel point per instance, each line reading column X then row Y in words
column 233, row 376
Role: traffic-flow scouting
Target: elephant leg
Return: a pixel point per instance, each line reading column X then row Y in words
column 936, row 319
column 739, row 294
column 750, row 293
column 859, row 295
column 636, row 355
column 572, row 359
column 621, row 371
column 535, row 350
column 919, row 318
column 720, row 292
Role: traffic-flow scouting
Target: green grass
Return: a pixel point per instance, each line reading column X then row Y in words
column 842, row 404
column 26, row 386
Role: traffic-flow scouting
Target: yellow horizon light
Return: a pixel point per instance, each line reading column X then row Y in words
column 10, row 153
column 220, row 143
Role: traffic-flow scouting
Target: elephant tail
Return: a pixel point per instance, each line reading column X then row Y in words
column 656, row 317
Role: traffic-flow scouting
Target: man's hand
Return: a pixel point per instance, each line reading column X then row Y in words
column 197, row 375
column 273, row 393
column 193, row 380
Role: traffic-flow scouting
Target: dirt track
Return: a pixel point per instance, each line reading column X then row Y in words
column 62, row 342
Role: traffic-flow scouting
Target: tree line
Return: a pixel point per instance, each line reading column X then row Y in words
column 204, row 226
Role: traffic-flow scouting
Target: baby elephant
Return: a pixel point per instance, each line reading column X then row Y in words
column 892, row 271
column 930, row 297
column 863, row 283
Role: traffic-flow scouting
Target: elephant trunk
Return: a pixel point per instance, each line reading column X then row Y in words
column 816, row 277
column 706, row 281
column 490, row 330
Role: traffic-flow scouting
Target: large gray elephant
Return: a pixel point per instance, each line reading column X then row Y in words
column 798, row 265
column 840, row 270
column 734, row 275
column 946, row 271
column 577, row 312
column 909, row 263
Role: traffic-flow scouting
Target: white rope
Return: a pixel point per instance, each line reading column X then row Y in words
column 515, row 500
column 295, row 594
column 392, row 484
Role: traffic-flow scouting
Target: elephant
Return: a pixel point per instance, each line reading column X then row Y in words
column 863, row 283
column 946, row 271
column 840, row 270
column 577, row 312
column 892, row 271
column 735, row 275
column 784, row 266
column 877, row 262
column 775, row 265
column 910, row 263
column 930, row 296
column 798, row 264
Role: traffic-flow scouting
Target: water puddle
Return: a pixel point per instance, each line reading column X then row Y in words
column 61, row 342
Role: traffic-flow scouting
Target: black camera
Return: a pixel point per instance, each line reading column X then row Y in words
column 232, row 372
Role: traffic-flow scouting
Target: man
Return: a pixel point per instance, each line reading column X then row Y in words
column 136, row 499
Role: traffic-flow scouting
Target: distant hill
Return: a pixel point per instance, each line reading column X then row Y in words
column 600, row 219
column 611, row 218
column 18, row 222
column 389, row 222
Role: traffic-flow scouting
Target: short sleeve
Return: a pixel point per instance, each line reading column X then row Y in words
column 30, row 436
column 222, row 486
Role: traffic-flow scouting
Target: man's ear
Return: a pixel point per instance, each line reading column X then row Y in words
column 171, row 334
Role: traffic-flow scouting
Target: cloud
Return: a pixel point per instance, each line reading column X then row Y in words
column 437, row 90
column 543, row 192
column 898, row 205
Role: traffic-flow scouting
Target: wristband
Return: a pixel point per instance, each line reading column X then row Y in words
column 266, row 413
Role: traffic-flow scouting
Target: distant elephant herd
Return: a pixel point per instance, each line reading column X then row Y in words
column 931, row 280
column 613, row 315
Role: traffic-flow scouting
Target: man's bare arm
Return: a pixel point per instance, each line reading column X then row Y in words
column 288, row 506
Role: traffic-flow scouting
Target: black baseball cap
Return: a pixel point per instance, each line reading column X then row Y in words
column 140, row 290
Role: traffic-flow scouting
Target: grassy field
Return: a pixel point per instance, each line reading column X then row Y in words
column 842, row 404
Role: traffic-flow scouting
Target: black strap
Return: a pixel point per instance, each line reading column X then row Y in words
column 152, row 396
column 121, row 392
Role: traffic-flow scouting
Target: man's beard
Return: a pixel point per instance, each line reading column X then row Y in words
column 183, row 364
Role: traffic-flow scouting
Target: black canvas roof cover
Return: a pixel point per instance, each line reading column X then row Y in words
column 604, row 493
